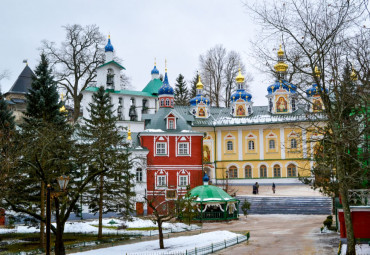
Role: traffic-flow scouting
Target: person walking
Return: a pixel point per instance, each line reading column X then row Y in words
column 257, row 187
column 273, row 187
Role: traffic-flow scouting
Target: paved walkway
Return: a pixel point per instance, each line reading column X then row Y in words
column 280, row 234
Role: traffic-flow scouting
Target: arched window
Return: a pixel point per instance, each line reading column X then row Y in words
column 132, row 101
column 292, row 170
column 145, row 107
column 293, row 105
column 293, row 143
column 167, row 102
column 233, row 172
column 230, row 146
column 272, row 144
column 139, row 175
column 162, row 102
column 277, row 172
column 263, row 171
column 248, row 172
column 171, row 102
column 251, row 145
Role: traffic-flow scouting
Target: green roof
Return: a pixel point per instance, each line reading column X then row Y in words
column 210, row 193
column 125, row 92
column 153, row 86
column 112, row 62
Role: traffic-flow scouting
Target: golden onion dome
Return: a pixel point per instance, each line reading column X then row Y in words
column 199, row 84
column 129, row 134
column 63, row 109
column 280, row 52
column 240, row 77
column 281, row 67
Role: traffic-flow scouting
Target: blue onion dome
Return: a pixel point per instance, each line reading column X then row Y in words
column 199, row 98
column 205, row 178
column 155, row 70
column 314, row 90
column 241, row 93
column 284, row 84
column 165, row 89
column 109, row 46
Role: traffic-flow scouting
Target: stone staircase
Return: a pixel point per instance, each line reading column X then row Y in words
column 287, row 205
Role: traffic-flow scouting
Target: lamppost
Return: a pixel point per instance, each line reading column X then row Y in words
column 63, row 182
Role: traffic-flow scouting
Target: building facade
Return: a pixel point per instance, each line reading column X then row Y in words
column 129, row 105
column 174, row 161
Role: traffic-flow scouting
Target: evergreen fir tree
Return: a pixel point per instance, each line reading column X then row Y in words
column 193, row 89
column 106, row 150
column 181, row 91
column 43, row 98
column 6, row 116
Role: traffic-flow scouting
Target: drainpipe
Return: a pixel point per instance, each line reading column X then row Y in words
column 215, row 152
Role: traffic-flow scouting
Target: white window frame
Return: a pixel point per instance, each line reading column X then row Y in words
column 181, row 180
column 171, row 124
column 167, row 102
column 161, row 181
column 272, row 142
column 251, row 142
column 293, row 143
column 157, row 148
column 184, row 150
column 162, row 102
column 139, row 175
column 227, row 146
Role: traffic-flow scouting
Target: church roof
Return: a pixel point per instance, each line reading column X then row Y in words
column 23, row 83
column 123, row 92
column 157, row 122
column 210, row 193
column 112, row 62
column 153, row 86
column 221, row 116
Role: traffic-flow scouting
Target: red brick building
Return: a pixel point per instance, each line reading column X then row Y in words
column 175, row 151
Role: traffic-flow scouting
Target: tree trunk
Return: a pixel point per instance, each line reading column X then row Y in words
column 59, row 248
column 42, row 209
column 160, row 233
column 100, row 231
column 343, row 190
column 76, row 108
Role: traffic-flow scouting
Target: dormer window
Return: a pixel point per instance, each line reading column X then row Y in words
column 170, row 124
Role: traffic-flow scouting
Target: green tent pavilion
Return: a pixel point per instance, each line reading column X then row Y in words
column 213, row 203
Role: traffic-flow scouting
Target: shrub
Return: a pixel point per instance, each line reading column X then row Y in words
column 330, row 217
column 245, row 207
column 328, row 223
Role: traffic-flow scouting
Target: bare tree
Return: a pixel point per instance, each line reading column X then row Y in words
column 219, row 69
column 76, row 60
column 162, row 212
column 318, row 33
column 4, row 75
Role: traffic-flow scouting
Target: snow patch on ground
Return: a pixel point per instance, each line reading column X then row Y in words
column 177, row 244
column 87, row 227
column 361, row 249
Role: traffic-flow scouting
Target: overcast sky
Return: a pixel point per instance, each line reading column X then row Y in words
column 178, row 30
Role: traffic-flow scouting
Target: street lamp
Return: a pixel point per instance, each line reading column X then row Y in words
column 63, row 182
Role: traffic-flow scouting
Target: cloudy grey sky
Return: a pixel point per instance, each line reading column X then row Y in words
column 178, row 30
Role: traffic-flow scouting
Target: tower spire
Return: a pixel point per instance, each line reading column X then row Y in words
column 281, row 67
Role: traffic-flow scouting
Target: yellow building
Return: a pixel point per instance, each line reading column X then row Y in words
column 254, row 142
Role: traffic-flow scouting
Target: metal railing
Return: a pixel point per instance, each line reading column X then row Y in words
column 213, row 247
column 216, row 216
